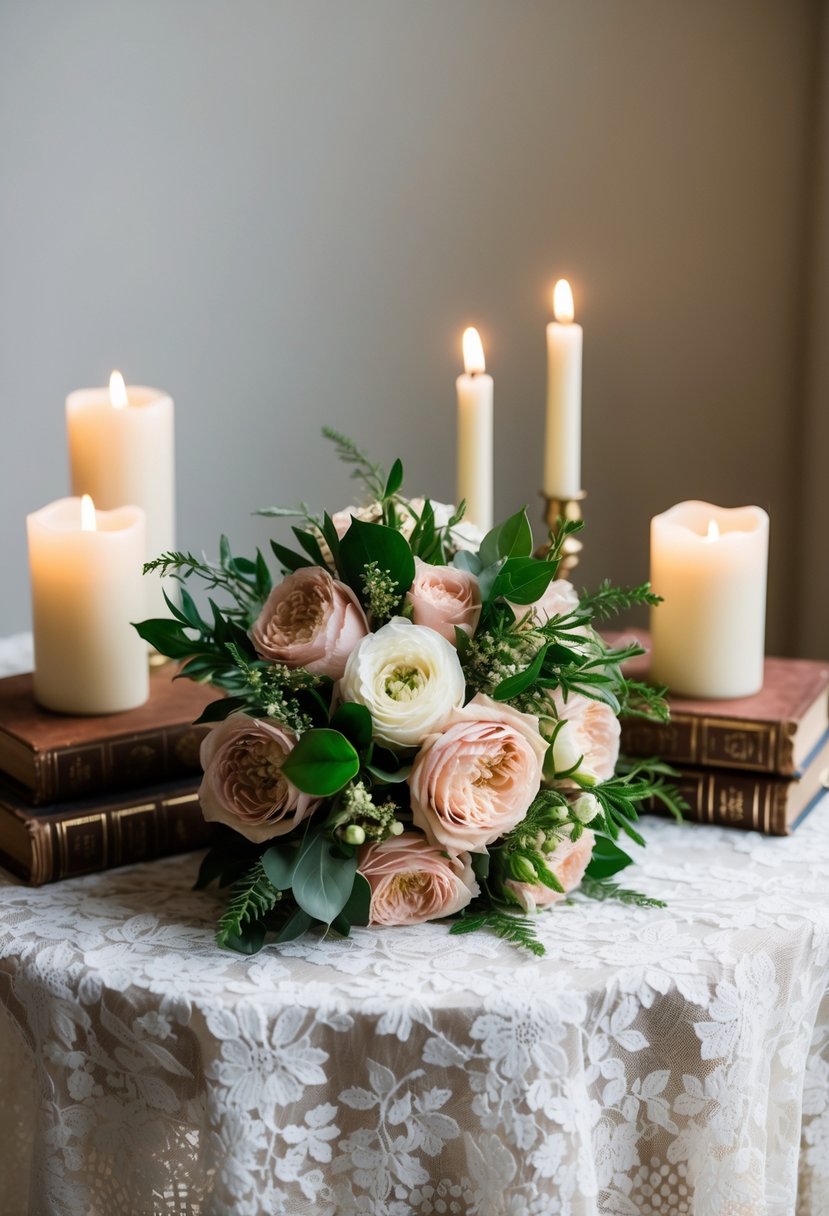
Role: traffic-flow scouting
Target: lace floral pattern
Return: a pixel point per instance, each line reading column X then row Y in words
column 670, row 1061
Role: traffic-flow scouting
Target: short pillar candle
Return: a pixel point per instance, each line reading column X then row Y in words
column 709, row 564
column 87, row 590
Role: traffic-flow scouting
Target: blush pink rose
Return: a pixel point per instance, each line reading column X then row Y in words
column 243, row 784
column 567, row 862
column 560, row 598
column 591, row 732
column 310, row 620
column 412, row 881
column 475, row 779
column 443, row 597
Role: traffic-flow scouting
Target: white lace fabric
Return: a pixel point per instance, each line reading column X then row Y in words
column 654, row 1061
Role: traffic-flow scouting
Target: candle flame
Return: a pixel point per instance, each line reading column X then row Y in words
column 117, row 391
column 563, row 302
column 713, row 530
column 473, row 352
column 88, row 521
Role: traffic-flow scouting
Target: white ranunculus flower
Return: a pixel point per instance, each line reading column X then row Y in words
column 408, row 677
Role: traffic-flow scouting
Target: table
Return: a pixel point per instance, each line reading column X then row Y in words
column 654, row 1063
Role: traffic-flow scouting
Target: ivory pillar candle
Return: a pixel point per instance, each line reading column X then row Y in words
column 562, row 451
column 475, row 418
column 121, row 451
column 709, row 563
column 87, row 588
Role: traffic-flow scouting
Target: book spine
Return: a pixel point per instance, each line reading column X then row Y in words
column 117, row 764
column 101, row 840
column 736, row 800
column 762, row 747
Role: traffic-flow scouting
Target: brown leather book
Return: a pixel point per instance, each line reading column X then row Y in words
column 65, row 840
column 755, row 801
column 55, row 757
column 776, row 731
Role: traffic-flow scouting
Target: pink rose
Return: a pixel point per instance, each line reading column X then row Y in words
column 475, row 780
column 559, row 599
column 591, row 733
column 443, row 597
column 310, row 620
column 412, row 881
column 567, row 862
column 243, row 785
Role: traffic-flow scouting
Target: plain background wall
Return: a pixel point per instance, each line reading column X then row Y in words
column 286, row 213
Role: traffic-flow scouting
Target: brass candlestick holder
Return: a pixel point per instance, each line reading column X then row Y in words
column 556, row 509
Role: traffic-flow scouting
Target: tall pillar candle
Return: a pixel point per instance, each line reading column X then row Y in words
column 121, row 451
column 709, row 564
column 86, row 590
column 475, row 421
column 562, row 451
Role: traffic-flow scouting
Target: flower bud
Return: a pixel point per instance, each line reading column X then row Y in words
column 586, row 808
column 521, row 869
column 354, row 834
column 396, row 828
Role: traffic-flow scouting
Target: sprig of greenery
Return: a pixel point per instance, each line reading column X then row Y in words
column 516, row 929
column 639, row 700
column 364, row 469
column 608, row 600
column 252, row 897
column 621, row 797
column 602, row 888
column 246, row 581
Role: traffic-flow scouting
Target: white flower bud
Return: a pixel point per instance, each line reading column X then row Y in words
column 396, row 828
column 586, row 808
column 354, row 834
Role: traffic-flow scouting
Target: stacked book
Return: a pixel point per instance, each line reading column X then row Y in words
column 91, row 793
column 760, row 762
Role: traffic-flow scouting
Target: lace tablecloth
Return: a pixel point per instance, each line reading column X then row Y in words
column 655, row 1063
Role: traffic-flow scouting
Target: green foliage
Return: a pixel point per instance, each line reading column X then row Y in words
column 516, row 929
column 364, row 544
column 363, row 469
column 512, row 538
column 353, row 721
column 252, row 897
column 597, row 888
column 608, row 601
column 607, row 858
column 323, row 878
column 322, row 763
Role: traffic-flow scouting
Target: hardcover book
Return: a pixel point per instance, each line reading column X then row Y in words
column 54, row 757
column 775, row 732
column 757, row 802
column 67, row 839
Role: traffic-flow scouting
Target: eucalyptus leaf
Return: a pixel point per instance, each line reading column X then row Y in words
column 322, row 762
column 465, row 559
column 296, row 924
column 323, row 879
column 278, row 864
column 249, row 940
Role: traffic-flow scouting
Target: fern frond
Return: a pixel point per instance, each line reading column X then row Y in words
column 516, row 929
column 610, row 600
column 251, row 898
column 601, row 888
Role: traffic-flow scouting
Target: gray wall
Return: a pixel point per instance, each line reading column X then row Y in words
column 286, row 213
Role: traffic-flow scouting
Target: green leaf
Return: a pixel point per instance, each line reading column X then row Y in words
column 322, row 763
column 358, row 907
column 248, row 940
column 167, row 637
column 465, row 559
column 488, row 578
column 364, row 543
column 297, row 923
column 278, row 864
column 323, row 879
column 512, row 538
column 217, row 711
column 513, row 686
column 607, row 859
column 523, row 580
column 480, row 865
column 354, row 721
column 385, row 777
column 251, row 898
column 395, row 479
column 311, row 546
column 288, row 559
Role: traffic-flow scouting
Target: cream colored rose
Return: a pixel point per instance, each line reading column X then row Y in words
column 589, row 738
column 567, row 862
column 310, row 620
column 412, row 881
column 409, row 679
column 443, row 598
column 243, row 784
column 560, row 598
column 475, row 780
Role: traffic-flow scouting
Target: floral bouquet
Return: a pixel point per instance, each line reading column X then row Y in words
column 418, row 722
